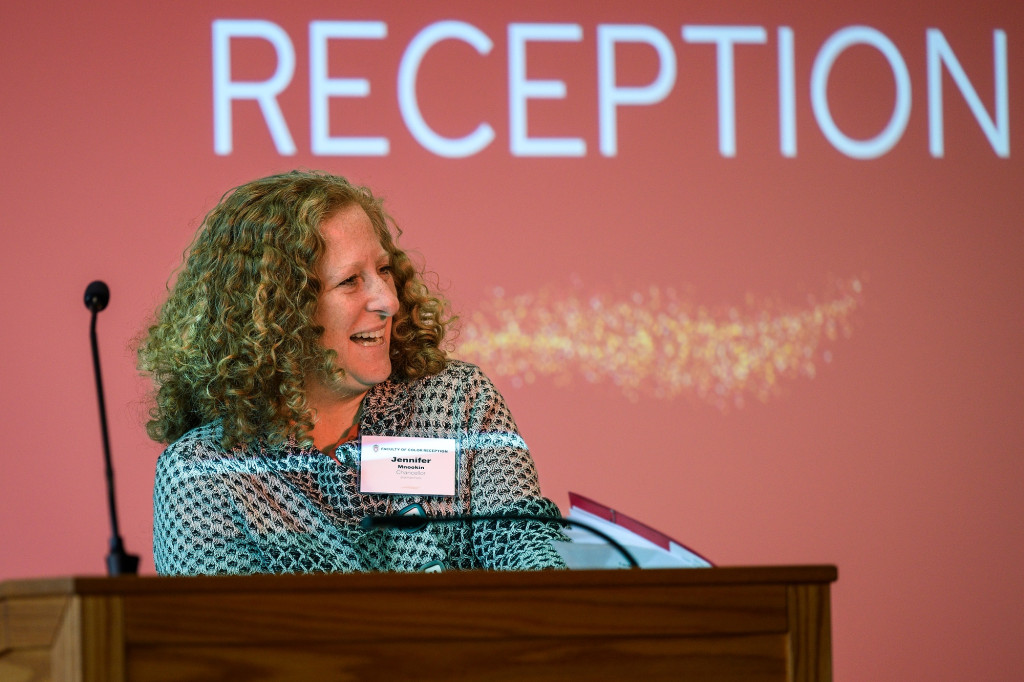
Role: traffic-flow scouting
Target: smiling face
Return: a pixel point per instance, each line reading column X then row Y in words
column 356, row 306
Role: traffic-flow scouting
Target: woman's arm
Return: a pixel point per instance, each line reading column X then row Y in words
column 503, row 480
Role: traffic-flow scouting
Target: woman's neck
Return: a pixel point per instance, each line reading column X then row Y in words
column 335, row 419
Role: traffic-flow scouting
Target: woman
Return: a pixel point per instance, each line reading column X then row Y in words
column 296, row 329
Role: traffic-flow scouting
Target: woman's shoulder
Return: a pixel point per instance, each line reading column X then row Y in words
column 199, row 452
column 458, row 378
column 456, row 370
column 202, row 442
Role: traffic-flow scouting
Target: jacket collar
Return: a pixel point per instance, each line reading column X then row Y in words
column 386, row 404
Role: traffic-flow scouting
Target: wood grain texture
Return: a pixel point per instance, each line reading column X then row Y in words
column 102, row 631
column 703, row 624
column 810, row 636
column 66, row 661
column 89, row 646
column 25, row 665
column 471, row 613
column 28, row 628
column 30, row 622
column 750, row 659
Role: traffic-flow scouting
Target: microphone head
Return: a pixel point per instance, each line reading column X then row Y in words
column 97, row 295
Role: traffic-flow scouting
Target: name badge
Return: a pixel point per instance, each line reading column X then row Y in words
column 407, row 466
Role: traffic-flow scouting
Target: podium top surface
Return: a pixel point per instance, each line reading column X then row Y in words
column 727, row 575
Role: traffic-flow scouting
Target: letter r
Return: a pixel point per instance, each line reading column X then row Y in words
column 265, row 92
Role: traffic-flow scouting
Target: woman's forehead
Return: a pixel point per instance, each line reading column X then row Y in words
column 350, row 238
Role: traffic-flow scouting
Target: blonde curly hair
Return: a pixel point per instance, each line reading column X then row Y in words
column 236, row 335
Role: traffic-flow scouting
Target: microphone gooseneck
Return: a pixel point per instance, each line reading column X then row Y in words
column 409, row 521
column 119, row 562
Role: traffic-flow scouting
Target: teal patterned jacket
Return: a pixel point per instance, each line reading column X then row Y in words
column 297, row 510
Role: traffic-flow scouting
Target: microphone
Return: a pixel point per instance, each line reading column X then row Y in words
column 414, row 521
column 119, row 562
column 97, row 296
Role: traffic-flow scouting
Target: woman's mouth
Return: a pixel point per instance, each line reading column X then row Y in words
column 375, row 338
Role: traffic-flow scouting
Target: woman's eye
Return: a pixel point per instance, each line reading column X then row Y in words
column 386, row 269
column 347, row 282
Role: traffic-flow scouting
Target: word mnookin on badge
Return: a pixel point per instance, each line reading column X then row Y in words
column 407, row 466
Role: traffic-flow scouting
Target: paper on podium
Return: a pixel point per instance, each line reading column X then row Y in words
column 650, row 548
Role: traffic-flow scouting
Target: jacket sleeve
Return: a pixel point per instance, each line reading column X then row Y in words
column 197, row 528
column 503, row 480
column 220, row 513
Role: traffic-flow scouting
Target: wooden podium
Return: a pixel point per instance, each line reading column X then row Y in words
column 747, row 624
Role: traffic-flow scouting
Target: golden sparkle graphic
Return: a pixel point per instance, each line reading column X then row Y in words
column 658, row 343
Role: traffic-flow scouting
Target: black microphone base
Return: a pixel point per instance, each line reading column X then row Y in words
column 122, row 563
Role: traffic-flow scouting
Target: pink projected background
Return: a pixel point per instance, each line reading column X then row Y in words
column 749, row 273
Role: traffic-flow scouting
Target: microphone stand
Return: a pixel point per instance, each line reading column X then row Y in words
column 119, row 562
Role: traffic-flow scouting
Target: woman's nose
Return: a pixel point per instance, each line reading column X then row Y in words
column 383, row 299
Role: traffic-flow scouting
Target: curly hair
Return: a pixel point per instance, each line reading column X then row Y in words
column 236, row 335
